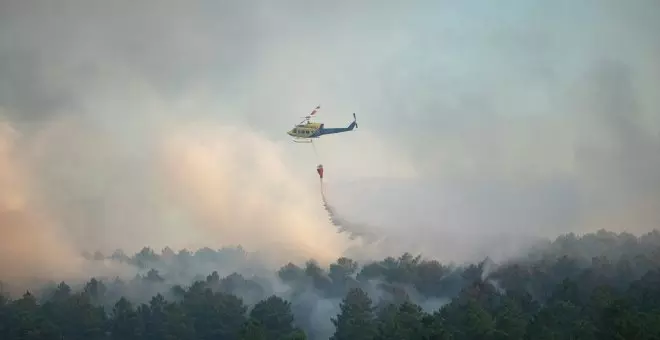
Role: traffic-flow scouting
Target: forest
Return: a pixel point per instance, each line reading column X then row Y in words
column 600, row 285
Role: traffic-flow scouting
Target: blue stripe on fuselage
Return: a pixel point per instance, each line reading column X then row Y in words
column 324, row 131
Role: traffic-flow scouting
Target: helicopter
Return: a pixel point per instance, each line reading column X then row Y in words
column 305, row 131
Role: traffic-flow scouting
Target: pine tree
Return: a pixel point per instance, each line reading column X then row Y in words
column 356, row 321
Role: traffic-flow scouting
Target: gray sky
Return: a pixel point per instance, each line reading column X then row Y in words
column 160, row 123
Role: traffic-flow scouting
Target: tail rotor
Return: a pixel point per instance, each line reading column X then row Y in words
column 355, row 120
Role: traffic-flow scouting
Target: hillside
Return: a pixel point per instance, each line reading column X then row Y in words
column 596, row 286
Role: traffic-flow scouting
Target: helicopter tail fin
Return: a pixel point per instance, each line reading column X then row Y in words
column 353, row 124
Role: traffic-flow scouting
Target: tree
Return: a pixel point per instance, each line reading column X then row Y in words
column 179, row 325
column 26, row 321
column 215, row 315
column 126, row 323
column 252, row 330
column 96, row 290
column 619, row 320
column 275, row 316
column 467, row 319
column 155, row 318
column 356, row 320
column 291, row 273
column 61, row 293
column 560, row 320
column 405, row 321
column 477, row 323
column 88, row 321
column 341, row 274
column 510, row 320
column 598, row 286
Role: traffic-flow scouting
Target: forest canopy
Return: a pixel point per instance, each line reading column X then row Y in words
column 601, row 285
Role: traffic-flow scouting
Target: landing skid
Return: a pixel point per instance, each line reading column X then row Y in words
column 302, row 140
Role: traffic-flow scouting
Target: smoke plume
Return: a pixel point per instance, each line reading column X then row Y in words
column 157, row 124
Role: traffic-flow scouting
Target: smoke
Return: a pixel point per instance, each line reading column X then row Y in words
column 30, row 246
column 123, row 144
column 481, row 127
column 179, row 185
column 620, row 162
column 245, row 194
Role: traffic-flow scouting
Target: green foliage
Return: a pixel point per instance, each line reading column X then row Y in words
column 252, row 330
column 126, row 322
column 404, row 321
column 598, row 286
column 274, row 315
column 510, row 320
column 560, row 320
column 356, row 320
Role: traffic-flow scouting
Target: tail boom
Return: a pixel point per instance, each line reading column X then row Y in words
column 330, row 131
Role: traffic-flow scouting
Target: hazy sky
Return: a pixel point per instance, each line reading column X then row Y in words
column 125, row 124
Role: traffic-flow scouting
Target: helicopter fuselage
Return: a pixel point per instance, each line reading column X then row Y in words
column 310, row 130
column 307, row 130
